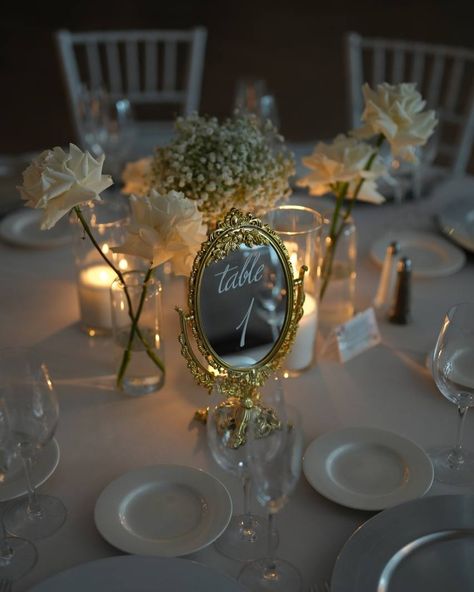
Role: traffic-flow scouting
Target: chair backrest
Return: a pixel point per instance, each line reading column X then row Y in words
column 146, row 67
column 444, row 75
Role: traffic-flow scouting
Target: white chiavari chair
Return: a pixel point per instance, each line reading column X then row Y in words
column 150, row 67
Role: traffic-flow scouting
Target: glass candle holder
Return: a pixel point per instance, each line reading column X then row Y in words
column 107, row 222
column 144, row 371
column 300, row 229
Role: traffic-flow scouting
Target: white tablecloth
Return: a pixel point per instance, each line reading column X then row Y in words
column 103, row 433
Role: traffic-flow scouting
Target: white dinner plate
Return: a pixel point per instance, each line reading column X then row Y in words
column 457, row 223
column 132, row 573
column 367, row 468
column 431, row 255
column 423, row 545
column 44, row 465
column 22, row 228
column 166, row 510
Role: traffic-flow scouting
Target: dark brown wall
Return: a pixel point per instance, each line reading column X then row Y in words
column 296, row 46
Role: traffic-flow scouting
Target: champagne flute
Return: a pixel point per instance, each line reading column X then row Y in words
column 33, row 412
column 275, row 465
column 244, row 538
column 17, row 555
column 453, row 371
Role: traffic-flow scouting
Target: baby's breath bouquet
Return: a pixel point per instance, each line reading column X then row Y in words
column 241, row 162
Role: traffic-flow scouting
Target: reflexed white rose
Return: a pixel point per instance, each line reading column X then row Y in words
column 137, row 177
column 343, row 161
column 56, row 182
column 165, row 227
column 396, row 111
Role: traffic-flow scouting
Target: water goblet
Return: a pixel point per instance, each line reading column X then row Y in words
column 453, row 371
column 244, row 538
column 275, row 465
column 17, row 555
column 33, row 413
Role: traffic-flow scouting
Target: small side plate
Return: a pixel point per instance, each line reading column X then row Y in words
column 431, row 255
column 132, row 573
column 367, row 468
column 22, row 229
column 457, row 223
column 166, row 510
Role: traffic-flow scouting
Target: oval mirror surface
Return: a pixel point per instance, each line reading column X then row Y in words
column 243, row 303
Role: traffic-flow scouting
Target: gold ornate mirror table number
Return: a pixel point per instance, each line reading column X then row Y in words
column 244, row 308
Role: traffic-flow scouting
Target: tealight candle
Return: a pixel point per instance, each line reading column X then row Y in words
column 301, row 353
column 94, row 297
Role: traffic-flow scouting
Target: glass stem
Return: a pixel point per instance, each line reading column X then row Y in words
column 33, row 508
column 247, row 526
column 6, row 552
column 270, row 571
column 456, row 458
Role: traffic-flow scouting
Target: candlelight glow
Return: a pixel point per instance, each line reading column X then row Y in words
column 123, row 264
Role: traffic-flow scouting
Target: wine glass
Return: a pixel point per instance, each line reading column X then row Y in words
column 453, row 371
column 33, row 413
column 244, row 538
column 275, row 465
column 252, row 96
column 17, row 555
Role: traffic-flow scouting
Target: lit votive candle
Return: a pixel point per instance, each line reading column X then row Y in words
column 94, row 298
column 301, row 353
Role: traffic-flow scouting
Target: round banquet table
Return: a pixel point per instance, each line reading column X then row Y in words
column 103, row 433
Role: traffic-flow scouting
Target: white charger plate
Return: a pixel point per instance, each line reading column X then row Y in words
column 132, row 573
column 457, row 223
column 166, row 510
column 367, row 468
column 44, row 465
column 423, row 545
column 431, row 255
column 22, row 228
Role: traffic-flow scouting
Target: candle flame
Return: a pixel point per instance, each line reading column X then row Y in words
column 105, row 248
column 123, row 264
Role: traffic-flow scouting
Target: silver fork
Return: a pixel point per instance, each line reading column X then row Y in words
column 5, row 585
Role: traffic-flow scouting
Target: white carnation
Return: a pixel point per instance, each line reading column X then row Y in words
column 163, row 228
column 343, row 161
column 396, row 111
column 56, row 182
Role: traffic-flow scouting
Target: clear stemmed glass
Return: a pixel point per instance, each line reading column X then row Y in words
column 33, row 413
column 17, row 555
column 453, row 371
column 275, row 465
column 244, row 538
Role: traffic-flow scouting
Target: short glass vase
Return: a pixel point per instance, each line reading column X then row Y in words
column 338, row 275
column 139, row 358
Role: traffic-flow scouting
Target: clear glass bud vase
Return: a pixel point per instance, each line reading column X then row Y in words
column 338, row 275
column 140, row 358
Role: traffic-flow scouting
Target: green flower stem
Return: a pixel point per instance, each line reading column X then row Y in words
column 334, row 233
column 151, row 354
column 127, row 354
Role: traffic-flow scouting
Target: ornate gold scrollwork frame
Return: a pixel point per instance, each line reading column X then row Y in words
column 235, row 230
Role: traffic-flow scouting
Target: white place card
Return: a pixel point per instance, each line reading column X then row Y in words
column 355, row 336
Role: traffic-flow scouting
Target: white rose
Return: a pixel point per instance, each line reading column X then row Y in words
column 165, row 227
column 396, row 111
column 343, row 161
column 137, row 177
column 56, row 182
